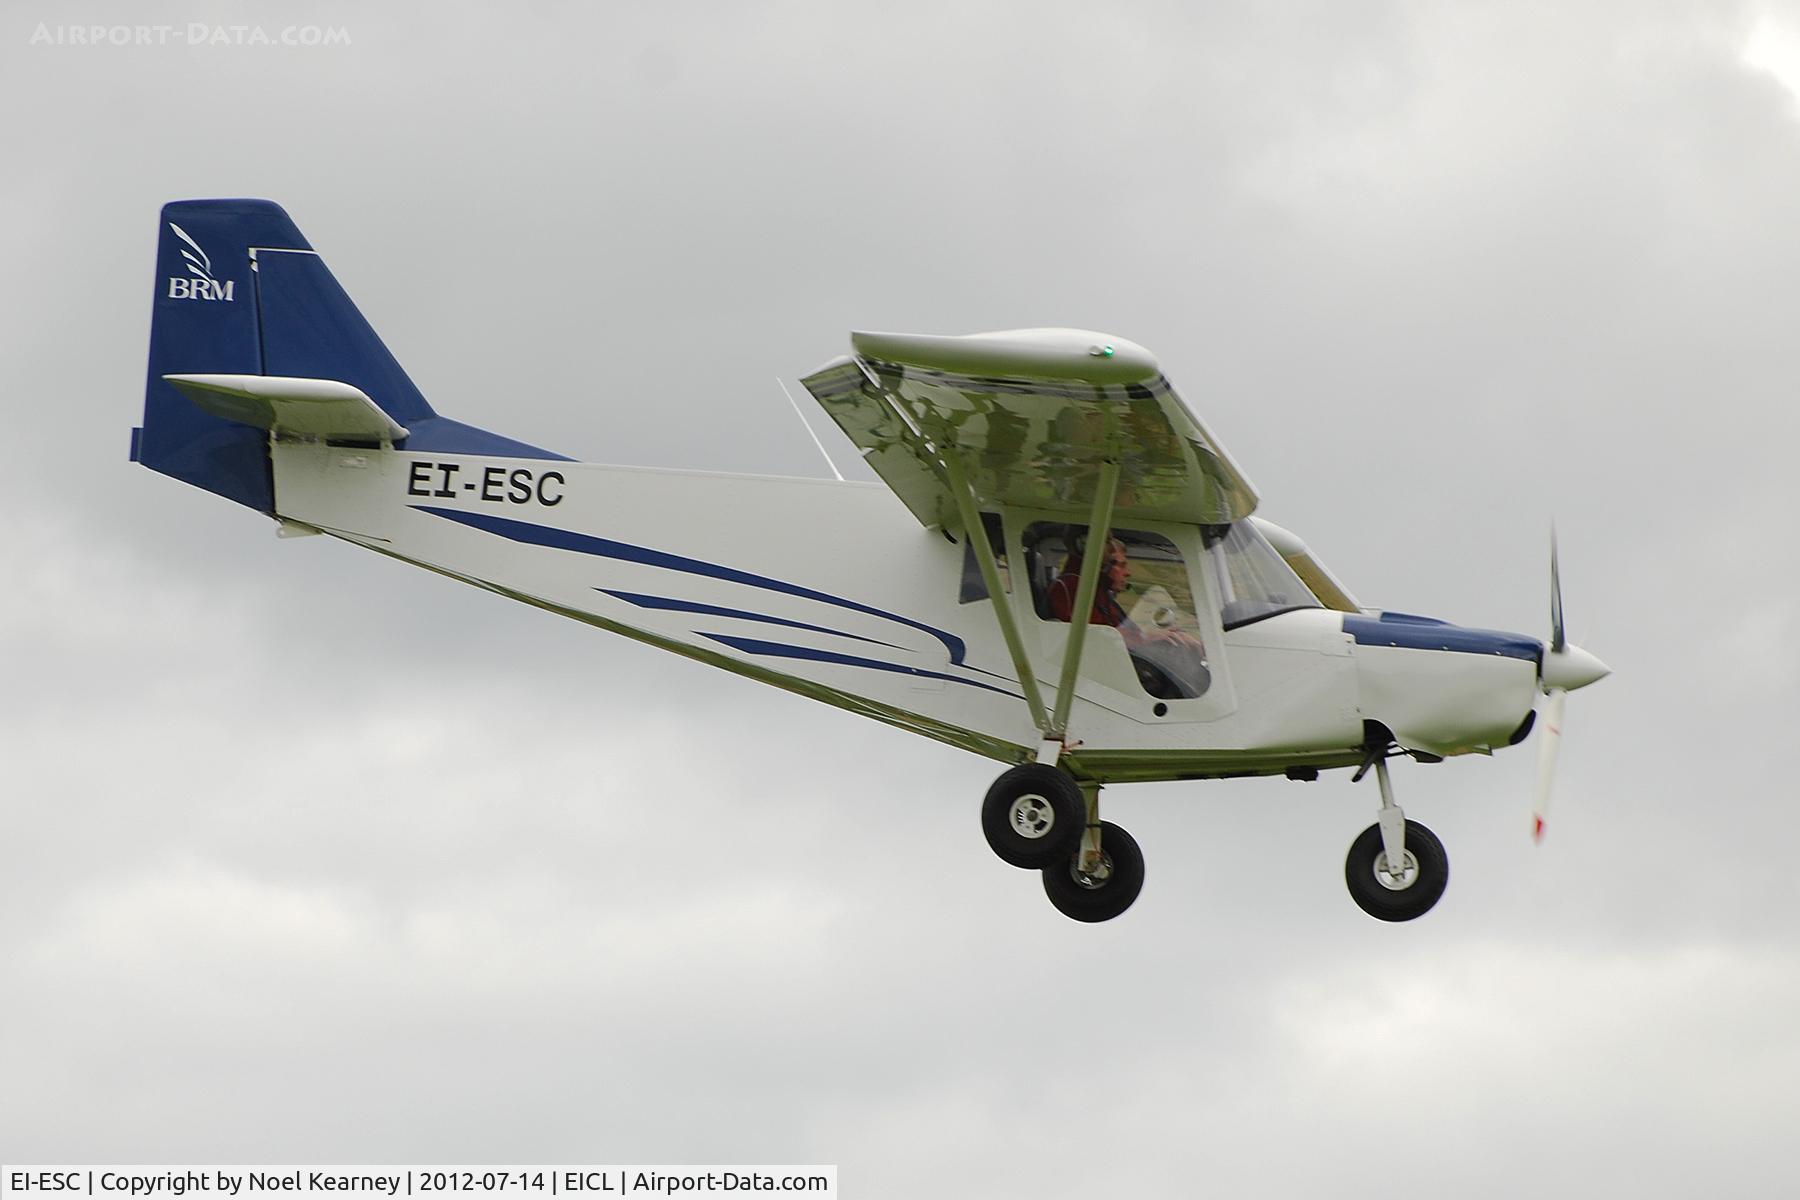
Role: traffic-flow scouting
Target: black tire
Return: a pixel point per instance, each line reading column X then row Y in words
column 1098, row 899
column 1386, row 903
column 1033, row 815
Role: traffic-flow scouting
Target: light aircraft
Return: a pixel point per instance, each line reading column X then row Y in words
column 946, row 602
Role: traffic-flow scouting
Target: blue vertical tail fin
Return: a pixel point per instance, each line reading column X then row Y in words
column 240, row 291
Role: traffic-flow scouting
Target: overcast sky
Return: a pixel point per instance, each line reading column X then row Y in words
column 312, row 857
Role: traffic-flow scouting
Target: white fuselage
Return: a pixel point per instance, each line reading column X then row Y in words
column 834, row 590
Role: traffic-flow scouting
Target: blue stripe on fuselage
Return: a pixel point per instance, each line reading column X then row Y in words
column 1415, row 633
column 581, row 543
column 672, row 604
column 784, row 650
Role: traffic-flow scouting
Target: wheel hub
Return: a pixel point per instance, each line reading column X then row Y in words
column 1032, row 816
column 1099, row 877
column 1397, row 881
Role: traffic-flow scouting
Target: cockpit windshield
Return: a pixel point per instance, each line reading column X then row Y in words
column 1252, row 580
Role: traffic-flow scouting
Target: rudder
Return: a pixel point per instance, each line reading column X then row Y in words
column 205, row 318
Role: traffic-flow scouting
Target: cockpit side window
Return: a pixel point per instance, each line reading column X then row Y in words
column 1252, row 579
column 974, row 587
column 1144, row 592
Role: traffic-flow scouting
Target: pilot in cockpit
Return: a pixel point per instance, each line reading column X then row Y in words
column 1176, row 658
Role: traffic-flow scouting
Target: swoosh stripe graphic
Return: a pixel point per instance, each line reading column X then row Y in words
column 183, row 235
column 671, row 604
column 581, row 543
column 783, row 650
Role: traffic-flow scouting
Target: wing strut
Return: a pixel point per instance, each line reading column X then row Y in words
column 1106, row 490
column 976, row 533
column 1055, row 725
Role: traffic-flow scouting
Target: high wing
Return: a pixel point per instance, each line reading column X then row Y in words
column 1032, row 416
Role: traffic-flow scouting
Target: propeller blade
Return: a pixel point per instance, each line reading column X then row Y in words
column 1558, row 639
column 1550, row 719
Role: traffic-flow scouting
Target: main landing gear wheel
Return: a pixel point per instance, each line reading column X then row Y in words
column 1388, row 894
column 1109, row 890
column 1033, row 815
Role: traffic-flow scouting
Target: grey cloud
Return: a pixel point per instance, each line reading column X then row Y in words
column 313, row 857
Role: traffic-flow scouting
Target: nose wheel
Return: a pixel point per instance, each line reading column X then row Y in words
column 1397, row 892
column 1396, row 869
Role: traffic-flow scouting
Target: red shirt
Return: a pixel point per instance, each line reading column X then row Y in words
column 1106, row 609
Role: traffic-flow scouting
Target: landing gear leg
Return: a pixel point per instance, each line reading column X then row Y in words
column 1396, row 869
column 1391, row 820
column 1087, row 856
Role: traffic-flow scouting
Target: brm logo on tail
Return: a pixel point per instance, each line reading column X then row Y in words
column 199, row 283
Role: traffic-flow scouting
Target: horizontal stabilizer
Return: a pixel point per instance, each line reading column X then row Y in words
column 322, row 408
